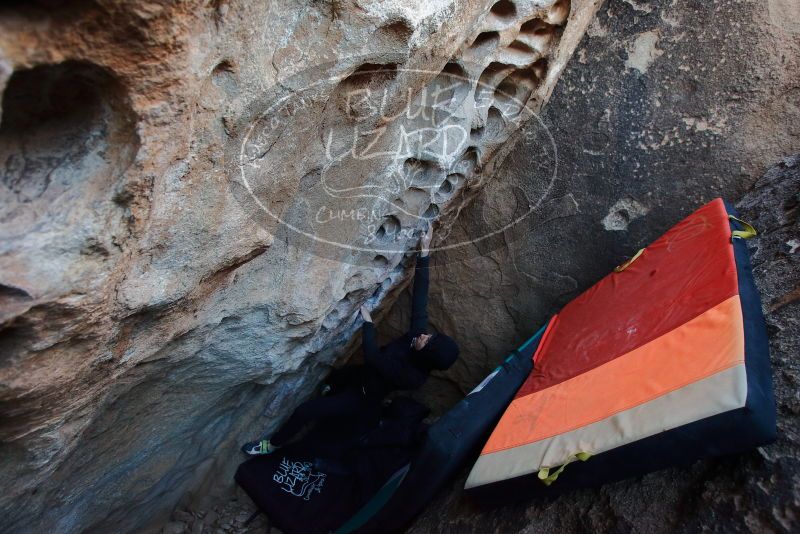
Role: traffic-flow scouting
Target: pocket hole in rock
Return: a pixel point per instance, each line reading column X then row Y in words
column 11, row 292
column 504, row 9
column 485, row 40
column 371, row 74
column 468, row 163
column 489, row 79
column 559, row 12
column 507, row 88
column 537, row 34
column 446, row 188
column 515, row 90
column 56, row 117
column 508, row 98
column 67, row 137
column 419, row 173
column 453, row 69
column 223, row 77
column 449, row 89
column 431, row 213
column 536, row 27
column 390, row 227
column 380, row 261
column 445, row 191
column 476, row 134
column 386, row 284
column 351, row 91
column 539, row 69
column 520, row 54
column 495, row 123
column 398, row 31
column 11, row 300
column 521, row 47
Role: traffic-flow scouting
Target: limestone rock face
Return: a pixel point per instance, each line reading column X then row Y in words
column 170, row 280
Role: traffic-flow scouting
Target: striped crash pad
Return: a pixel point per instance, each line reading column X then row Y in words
column 662, row 362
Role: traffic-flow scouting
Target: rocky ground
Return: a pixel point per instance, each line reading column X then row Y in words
column 229, row 516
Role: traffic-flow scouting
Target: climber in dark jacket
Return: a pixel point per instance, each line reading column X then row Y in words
column 353, row 394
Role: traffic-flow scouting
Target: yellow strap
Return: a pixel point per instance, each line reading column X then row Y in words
column 747, row 233
column 620, row 268
column 548, row 478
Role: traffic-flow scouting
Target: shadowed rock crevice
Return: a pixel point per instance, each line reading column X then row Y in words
column 56, row 117
column 67, row 138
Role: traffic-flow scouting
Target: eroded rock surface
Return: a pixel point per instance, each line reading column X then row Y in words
column 155, row 309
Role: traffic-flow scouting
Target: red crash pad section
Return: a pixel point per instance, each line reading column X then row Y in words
column 689, row 270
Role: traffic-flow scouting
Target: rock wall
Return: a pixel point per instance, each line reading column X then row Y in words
column 170, row 282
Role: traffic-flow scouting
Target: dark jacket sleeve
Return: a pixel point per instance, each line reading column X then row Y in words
column 369, row 343
column 419, row 298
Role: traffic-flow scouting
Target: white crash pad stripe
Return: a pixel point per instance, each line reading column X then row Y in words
column 718, row 393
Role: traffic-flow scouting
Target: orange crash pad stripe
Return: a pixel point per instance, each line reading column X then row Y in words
column 707, row 344
column 719, row 393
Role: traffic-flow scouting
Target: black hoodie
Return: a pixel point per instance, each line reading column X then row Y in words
column 398, row 365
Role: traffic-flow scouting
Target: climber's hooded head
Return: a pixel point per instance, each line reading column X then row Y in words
column 440, row 352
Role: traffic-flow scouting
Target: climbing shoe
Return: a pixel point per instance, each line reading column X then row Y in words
column 256, row 448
